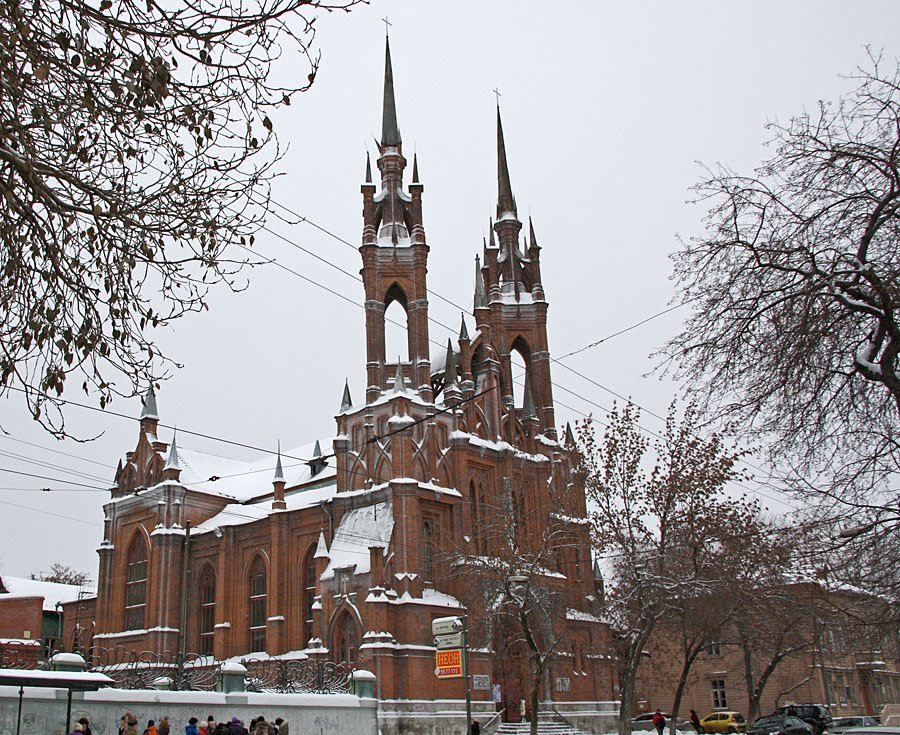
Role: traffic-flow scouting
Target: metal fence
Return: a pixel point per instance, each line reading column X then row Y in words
column 133, row 669
column 297, row 675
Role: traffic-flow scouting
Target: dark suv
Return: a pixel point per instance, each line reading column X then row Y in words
column 816, row 715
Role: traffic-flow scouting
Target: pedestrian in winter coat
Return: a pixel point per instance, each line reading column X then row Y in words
column 659, row 721
column 282, row 726
column 261, row 727
column 236, row 727
column 163, row 726
column 151, row 728
column 85, row 726
column 476, row 728
column 695, row 721
column 77, row 729
column 191, row 728
column 130, row 725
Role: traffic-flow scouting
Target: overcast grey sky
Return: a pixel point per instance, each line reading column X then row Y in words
column 607, row 108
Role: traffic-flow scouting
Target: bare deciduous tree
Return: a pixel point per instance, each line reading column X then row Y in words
column 136, row 144
column 515, row 598
column 666, row 532
column 795, row 290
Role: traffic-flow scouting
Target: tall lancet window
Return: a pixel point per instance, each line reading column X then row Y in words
column 258, row 579
column 428, row 551
column 309, row 592
column 207, row 597
column 136, row 584
column 347, row 640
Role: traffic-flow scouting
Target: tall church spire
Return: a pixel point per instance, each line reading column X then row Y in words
column 390, row 133
column 506, row 202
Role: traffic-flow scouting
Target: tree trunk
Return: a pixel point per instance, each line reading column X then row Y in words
column 690, row 657
column 536, row 680
column 627, row 684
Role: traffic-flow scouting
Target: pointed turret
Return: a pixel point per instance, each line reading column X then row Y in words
column 528, row 411
column 278, row 502
column 415, row 174
column 321, row 547
column 480, row 293
column 570, row 437
column 346, row 403
column 150, row 411
column 172, row 458
column 368, row 168
column 450, row 366
column 399, row 383
column 390, row 133
column 463, row 330
column 506, row 202
column 532, row 240
column 279, row 472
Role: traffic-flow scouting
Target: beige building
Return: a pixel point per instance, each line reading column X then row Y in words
column 847, row 657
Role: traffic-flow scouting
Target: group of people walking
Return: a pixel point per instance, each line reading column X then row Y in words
column 128, row 725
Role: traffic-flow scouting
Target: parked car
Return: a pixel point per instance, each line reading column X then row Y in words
column 845, row 723
column 816, row 715
column 645, row 722
column 880, row 730
column 725, row 721
column 780, row 725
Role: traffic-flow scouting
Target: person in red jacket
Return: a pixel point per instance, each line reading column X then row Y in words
column 659, row 721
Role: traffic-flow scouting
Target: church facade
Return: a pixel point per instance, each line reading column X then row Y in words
column 347, row 551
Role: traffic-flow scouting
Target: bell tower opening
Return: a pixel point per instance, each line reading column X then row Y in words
column 396, row 325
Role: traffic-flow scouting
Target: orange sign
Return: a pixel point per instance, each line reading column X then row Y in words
column 448, row 664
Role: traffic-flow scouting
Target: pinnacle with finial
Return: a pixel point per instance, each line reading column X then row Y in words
column 570, row 437
column 415, row 173
column 528, row 400
column 346, row 403
column 531, row 236
column 506, row 202
column 450, row 367
column 149, row 410
column 463, row 330
column 390, row 133
column 480, row 295
column 172, row 459
column 279, row 472
column 368, row 168
column 317, row 450
column 399, row 385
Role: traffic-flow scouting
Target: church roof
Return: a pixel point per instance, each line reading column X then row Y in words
column 243, row 481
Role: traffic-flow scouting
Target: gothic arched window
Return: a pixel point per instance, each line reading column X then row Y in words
column 428, row 551
column 136, row 584
column 207, row 593
column 308, row 571
column 258, row 605
column 346, row 640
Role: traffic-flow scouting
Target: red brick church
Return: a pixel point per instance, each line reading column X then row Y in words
column 344, row 548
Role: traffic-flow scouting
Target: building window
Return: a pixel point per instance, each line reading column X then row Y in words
column 720, row 700
column 207, row 594
column 346, row 640
column 309, row 592
column 258, row 605
column 714, row 649
column 136, row 584
column 428, row 551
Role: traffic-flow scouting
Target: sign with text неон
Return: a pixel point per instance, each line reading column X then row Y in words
column 448, row 664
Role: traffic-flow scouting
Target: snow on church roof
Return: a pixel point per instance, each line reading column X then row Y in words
column 243, row 481
column 52, row 592
column 371, row 525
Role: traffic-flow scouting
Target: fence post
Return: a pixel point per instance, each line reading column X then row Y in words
column 363, row 683
column 232, row 678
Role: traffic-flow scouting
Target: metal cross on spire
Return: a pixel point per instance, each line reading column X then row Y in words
column 387, row 24
column 496, row 91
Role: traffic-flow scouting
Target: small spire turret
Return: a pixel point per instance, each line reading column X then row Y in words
column 506, row 202
column 346, row 403
column 368, row 168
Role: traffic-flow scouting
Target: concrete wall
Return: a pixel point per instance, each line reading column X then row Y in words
column 44, row 710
